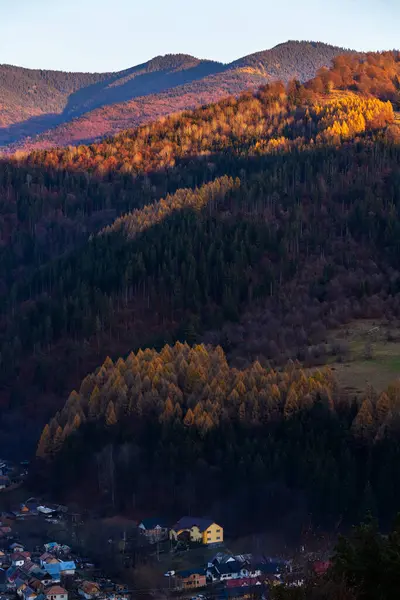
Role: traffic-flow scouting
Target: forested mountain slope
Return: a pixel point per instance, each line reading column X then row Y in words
column 26, row 93
column 48, row 108
column 291, row 60
column 278, row 211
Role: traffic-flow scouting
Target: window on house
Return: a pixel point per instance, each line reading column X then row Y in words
column 218, row 531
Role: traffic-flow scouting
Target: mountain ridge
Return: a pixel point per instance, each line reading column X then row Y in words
column 40, row 109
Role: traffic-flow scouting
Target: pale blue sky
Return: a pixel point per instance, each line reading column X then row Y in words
column 106, row 35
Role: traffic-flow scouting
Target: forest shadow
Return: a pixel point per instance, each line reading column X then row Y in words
column 120, row 87
column 133, row 84
column 30, row 127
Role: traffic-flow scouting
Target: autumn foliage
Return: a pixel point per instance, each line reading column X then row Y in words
column 193, row 386
column 252, row 124
column 371, row 74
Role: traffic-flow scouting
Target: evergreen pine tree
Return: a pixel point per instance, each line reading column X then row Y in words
column 110, row 416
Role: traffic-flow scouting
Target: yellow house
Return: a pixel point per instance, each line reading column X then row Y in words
column 194, row 529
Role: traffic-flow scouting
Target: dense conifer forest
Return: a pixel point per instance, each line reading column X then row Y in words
column 239, row 234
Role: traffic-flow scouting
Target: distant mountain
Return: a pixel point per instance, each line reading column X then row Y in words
column 40, row 109
column 293, row 59
column 32, row 102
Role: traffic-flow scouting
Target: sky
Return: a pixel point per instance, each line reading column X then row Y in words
column 110, row 35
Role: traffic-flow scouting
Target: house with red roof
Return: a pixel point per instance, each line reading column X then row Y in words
column 56, row 592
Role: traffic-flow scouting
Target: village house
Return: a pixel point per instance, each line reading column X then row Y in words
column 28, row 593
column 250, row 571
column 67, row 567
column 52, row 560
column 224, row 571
column 155, row 530
column 55, row 567
column 194, row 529
column 39, row 582
column 54, row 571
column 20, row 587
column 89, row 590
column 45, row 558
column 3, row 557
column 56, row 592
column 30, row 568
column 190, row 579
column 225, row 567
column 16, row 547
column 25, row 510
column 212, row 574
column 271, row 568
column 46, row 510
column 21, row 584
column 18, row 559
column 220, row 557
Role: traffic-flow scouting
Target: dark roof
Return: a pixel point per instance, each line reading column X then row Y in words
column 229, row 567
column 151, row 523
column 213, row 571
column 189, row 522
column 188, row 572
column 269, row 568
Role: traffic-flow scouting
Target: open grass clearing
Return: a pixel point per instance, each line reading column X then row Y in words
column 369, row 354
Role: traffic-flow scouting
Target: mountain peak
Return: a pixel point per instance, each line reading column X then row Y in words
column 294, row 58
column 172, row 62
